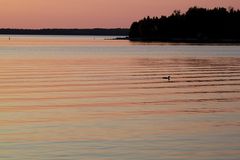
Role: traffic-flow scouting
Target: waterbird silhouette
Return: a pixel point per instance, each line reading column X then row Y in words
column 168, row 78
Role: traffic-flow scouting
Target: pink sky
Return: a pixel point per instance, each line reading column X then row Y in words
column 92, row 13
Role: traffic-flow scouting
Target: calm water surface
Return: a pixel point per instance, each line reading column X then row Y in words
column 72, row 98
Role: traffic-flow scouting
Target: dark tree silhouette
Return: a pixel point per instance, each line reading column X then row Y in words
column 196, row 25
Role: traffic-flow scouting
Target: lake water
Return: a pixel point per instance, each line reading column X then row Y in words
column 73, row 97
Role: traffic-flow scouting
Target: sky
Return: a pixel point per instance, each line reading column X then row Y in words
column 92, row 13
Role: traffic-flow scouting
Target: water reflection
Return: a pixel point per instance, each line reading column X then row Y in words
column 119, row 107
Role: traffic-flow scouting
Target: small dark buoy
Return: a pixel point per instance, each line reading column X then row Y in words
column 168, row 78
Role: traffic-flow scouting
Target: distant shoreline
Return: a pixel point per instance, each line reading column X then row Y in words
column 94, row 31
column 120, row 33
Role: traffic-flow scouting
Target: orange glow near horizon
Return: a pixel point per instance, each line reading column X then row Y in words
column 92, row 13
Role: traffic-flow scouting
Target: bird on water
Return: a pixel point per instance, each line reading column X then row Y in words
column 168, row 78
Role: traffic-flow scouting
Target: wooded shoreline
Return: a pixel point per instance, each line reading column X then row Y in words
column 197, row 25
column 94, row 31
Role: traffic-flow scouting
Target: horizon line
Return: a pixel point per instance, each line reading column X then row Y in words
column 5, row 28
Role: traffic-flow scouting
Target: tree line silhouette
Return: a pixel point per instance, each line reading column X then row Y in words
column 95, row 31
column 195, row 25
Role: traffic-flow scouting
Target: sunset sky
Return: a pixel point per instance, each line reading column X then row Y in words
column 92, row 13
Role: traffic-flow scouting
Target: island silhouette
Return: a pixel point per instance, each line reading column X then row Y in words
column 52, row 31
column 195, row 25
